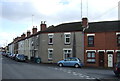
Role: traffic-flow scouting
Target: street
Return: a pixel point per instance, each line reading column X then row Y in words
column 21, row 70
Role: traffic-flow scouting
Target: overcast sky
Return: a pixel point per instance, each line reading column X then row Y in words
column 16, row 15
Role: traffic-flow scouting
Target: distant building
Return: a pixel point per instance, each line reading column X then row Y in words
column 119, row 10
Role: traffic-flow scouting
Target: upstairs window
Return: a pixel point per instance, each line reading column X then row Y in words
column 50, row 40
column 67, row 38
column 90, row 38
column 118, row 40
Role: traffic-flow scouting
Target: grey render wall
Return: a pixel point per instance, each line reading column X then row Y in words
column 58, row 46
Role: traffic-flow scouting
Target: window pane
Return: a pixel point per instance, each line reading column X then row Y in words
column 50, row 52
column 88, row 60
column 90, row 38
column 69, row 51
column 119, row 42
column 88, row 54
column 50, row 40
column 67, row 35
column 93, row 55
column 118, row 37
column 93, row 60
column 90, row 42
column 118, row 57
column 50, row 55
column 67, row 40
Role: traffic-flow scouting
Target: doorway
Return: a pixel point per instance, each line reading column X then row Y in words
column 101, row 59
column 110, row 60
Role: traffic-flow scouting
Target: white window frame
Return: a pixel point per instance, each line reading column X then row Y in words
column 67, row 52
column 101, row 51
column 50, row 35
column 67, row 37
column 91, row 34
column 50, row 53
column 117, row 33
column 110, row 51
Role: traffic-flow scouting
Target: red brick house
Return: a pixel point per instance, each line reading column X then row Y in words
column 102, row 44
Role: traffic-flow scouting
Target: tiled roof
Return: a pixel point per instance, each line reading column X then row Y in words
column 66, row 27
column 104, row 26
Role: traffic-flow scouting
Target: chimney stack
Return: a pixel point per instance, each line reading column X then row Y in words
column 23, row 36
column 28, row 33
column 43, row 26
column 34, row 30
column 85, row 22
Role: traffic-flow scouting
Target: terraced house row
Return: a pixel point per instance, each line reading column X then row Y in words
column 96, row 44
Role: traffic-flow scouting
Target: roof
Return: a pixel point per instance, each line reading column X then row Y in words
column 66, row 27
column 104, row 26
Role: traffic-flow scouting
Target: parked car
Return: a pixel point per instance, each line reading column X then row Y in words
column 13, row 56
column 8, row 54
column 117, row 69
column 4, row 54
column 21, row 57
column 71, row 61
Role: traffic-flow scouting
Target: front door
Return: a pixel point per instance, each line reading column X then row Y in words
column 110, row 60
column 101, row 59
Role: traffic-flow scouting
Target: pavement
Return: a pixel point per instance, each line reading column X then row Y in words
column 21, row 70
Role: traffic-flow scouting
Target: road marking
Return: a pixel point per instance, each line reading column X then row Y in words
column 81, row 76
column 64, row 70
column 73, row 73
column 56, row 68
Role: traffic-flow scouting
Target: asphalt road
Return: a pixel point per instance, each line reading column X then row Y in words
column 20, row 70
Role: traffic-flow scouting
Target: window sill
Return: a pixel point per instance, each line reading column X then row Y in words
column 50, row 60
column 67, row 43
column 50, row 44
column 91, row 62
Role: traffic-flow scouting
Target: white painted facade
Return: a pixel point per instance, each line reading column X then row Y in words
column 11, row 48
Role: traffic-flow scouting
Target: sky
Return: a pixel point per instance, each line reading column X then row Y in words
column 18, row 16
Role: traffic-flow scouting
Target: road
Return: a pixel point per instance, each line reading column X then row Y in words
column 21, row 70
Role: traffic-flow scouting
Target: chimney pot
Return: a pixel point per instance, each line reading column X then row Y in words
column 34, row 30
column 28, row 33
column 84, row 22
column 43, row 26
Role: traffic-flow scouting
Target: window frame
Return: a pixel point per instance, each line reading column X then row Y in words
column 91, row 45
column 50, row 37
column 118, row 55
column 118, row 44
column 66, row 53
column 50, row 58
column 67, row 38
column 91, row 58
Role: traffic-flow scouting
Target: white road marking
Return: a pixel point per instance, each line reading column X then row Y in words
column 69, row 72
column 73, row 73
column 56, row 68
